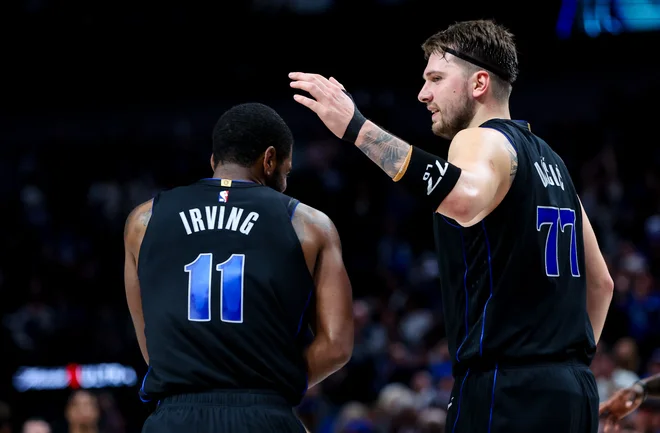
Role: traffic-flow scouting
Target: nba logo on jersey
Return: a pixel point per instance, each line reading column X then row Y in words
column 223, row 197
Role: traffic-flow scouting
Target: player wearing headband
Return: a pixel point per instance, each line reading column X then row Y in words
column 524, row 286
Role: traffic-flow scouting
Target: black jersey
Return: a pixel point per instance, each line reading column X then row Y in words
column 513, row 285
column 225, row 288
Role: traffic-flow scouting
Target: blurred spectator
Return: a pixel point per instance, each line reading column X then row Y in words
column 61, row 261
column 82, row 413
column 432, row 420
column 36, row 425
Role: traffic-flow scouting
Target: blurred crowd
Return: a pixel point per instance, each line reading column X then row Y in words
column 61, row 267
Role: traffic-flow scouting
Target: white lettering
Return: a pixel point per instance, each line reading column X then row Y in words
column 442, row 169
column 556, row 175
column 234, row 218
column 544, row 179
column 549, row 174
column 185, row 223
column 248, row 223
column 214, row 216
column 429, row 179
column 196, row 218
column 221, row 217
column 561, row 181
column 211, row 211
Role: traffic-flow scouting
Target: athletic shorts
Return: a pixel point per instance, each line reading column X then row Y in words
column 541, row 398
column 224, row 412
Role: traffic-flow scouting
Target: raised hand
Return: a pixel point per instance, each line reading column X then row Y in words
column 329, row 101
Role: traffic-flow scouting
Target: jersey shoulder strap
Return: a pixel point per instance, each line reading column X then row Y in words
column 511, row 129
column 154, row 200
column 290, row 204
column 519, row 135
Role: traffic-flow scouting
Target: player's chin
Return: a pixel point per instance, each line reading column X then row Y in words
column 280, row 186
column 437, row 129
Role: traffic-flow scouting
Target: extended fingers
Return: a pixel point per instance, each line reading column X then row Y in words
column 320, row 81
column 337, row 83
column 310, row 88
column 309, row 103
column 319, row 87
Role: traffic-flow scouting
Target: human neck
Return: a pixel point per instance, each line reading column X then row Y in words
column 487, row 112
column 236, row 172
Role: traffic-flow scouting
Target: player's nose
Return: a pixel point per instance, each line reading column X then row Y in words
column 424, row 96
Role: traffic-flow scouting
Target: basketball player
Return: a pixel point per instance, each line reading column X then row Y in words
column 626, row 400
column 525, row 288
column 224, row 276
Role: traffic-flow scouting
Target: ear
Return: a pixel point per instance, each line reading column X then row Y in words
column 213, row 163
column 270, row 160
column 480, row 83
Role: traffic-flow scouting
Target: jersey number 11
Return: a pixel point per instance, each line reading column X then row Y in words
column 200, row 276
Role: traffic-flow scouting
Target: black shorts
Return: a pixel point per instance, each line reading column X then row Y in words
column 223, row 411
column 538, row 398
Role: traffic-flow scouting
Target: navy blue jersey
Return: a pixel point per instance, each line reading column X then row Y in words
column 514, row 285
column 225, row 287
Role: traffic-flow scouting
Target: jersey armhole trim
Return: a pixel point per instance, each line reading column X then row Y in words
column 504, row 133
column 293, row 205
column 154, row 200
column 522, row 170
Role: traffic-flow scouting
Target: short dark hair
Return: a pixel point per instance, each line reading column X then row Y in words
column 245, row 131
column 486, row 42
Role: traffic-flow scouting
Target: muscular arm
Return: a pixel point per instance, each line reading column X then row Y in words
column 333, row 340
column 600, row 286
column 390, row 153
column 136, row 225
column 487, row 161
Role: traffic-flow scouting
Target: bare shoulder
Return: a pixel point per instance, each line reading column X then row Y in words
column 137, row 222
column 478, row 136
column 311, row 224
column 486, row 143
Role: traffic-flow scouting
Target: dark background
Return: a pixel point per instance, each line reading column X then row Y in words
column 105, row 103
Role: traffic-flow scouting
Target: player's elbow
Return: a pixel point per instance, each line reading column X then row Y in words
column 339, row 347
column 342, row 350
column 473, row 193
column 608, row 285
column 464, row 204
column 603, row 286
